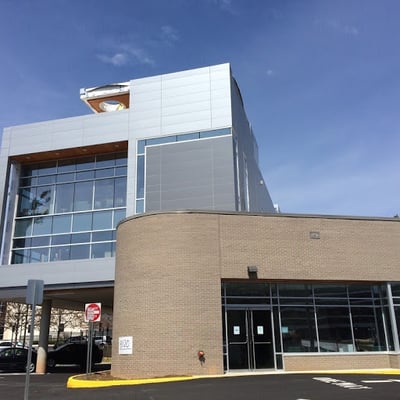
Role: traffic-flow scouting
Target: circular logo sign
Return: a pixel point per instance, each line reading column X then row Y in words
column 92, row 312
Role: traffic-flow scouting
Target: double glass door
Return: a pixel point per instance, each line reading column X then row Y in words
column 249, row 339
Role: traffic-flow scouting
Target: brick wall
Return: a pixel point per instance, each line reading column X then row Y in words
column 320, row 362
column 168, row 296
column 281, row 248
column 169, row 268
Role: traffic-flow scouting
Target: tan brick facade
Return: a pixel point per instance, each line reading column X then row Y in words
column 320, row 362
column 169, row 268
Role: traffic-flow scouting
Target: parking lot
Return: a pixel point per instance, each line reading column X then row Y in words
column 269, row 386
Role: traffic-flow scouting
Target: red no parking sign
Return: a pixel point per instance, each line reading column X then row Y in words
column 92, row 312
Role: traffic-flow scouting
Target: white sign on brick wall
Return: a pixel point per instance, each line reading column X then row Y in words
column 125, row 345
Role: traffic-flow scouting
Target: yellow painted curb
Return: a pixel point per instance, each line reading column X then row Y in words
column 79, row 381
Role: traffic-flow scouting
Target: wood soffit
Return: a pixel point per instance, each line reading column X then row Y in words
column 71, row 152
column 94, row 103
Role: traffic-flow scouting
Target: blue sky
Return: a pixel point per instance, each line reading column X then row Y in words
column 320, row 80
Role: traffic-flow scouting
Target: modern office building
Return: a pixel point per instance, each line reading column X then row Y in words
column 154, row 205
column 168, row 142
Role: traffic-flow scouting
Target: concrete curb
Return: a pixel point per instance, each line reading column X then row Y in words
column 80, row 381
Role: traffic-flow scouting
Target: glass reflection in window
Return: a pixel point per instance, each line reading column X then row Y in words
column 102, row 220
column 82, row 222
column 104, row 193
column 334, row 329
column 101, row 250
column 298, row 329
column 83, row 196
column 61, row 223
column 79, row 252
column 64, row 198
column 42, row 225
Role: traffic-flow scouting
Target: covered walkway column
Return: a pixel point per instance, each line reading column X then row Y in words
column 43, row 337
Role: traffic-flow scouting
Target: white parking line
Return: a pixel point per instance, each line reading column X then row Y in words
column 340, row 383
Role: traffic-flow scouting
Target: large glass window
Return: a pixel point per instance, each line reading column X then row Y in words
column 101, row 250
column 119, row 215
column 79, row 252
column 104, row 193
column 39, row 255
column 62, row 223
column 102, row 220
column 368, row 335
column 56, row 199
column 320, row 317
column 42, row 225
column 82, row 222
column 298, row 329
column 23, row 227
column 334, row 329
column 83, row 196
column 120, row 192
column 64, row 197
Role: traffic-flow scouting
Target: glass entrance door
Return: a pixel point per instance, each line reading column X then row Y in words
column 249, row 339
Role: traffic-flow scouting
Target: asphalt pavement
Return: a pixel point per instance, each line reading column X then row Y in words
column 281, row 386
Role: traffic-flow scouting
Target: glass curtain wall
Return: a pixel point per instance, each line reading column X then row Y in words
column 319, row 317
column 69, row 209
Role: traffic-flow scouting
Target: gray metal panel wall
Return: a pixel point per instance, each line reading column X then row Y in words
column 190, row 175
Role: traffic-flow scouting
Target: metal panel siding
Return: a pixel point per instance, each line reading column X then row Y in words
column 190, row 175
column 145, row 107
column 186, row 101
column 70, row 132
column 202, row 98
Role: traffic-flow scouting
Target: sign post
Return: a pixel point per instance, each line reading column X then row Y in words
column 92, row 314
column 34, row 296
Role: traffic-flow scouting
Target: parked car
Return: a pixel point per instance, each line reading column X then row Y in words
column 72, row 339
column 15, row 359
column 76, row 339
column 100, row 341
column 7, row 344
column 73, row 353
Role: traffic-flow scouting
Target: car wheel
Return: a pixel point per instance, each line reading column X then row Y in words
column 51, row 362
column 32, row 367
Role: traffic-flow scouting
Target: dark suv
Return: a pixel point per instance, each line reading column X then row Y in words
column 73, row 353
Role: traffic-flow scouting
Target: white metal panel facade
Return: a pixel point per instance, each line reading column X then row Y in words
column 172, row 104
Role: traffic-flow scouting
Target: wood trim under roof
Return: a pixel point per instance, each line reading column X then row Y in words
column 72, row 152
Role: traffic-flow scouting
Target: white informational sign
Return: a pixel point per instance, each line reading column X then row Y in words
column 260, row 330
column 92, row 312
column 125, row 345
column 236, row 330
column 284, row 329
